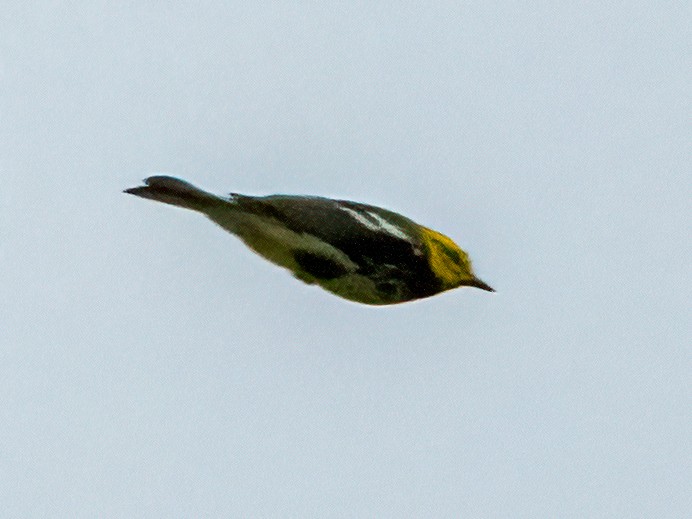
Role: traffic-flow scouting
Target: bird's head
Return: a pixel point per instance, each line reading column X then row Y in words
column 451, row 264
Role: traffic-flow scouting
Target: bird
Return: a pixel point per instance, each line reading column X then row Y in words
column 360, row 252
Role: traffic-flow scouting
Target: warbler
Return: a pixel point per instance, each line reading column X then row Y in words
column 357, row 251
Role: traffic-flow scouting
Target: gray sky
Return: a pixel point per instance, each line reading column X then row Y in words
column 150, row 366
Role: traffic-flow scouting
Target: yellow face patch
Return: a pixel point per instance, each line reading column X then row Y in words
column 449, row 263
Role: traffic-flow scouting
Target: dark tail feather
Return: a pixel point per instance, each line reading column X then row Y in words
column 174, row 191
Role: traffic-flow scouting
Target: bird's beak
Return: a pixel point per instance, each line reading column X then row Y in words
column 481, row 284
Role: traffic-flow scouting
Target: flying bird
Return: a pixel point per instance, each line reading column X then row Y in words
column 357, row 251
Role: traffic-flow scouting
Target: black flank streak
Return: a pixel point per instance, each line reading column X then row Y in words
column 319, row 266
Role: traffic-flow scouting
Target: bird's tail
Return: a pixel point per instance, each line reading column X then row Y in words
column 174, row 191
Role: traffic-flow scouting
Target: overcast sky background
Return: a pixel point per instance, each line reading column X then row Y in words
column 150, row 366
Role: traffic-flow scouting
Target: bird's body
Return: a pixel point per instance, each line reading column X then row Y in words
column 357, row 251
